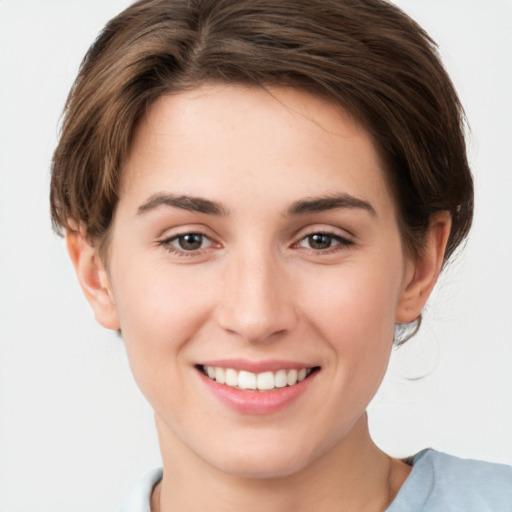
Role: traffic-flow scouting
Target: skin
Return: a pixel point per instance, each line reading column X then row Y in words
column 258, row 289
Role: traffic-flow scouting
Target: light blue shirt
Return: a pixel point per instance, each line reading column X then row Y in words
column 437, row 483
column 443, row 483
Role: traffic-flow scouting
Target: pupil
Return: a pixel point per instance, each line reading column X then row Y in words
column 320, row 241
column 191, row 241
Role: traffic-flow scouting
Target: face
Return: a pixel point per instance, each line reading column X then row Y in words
column 256, row 241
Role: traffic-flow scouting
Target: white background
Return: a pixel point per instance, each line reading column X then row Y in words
column 75, row 431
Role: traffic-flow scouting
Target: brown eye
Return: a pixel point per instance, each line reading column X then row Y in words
column 320, row 241
column 186, row 244
column 190, row 241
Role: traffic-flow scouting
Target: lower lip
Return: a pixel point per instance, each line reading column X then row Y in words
column 257, row 402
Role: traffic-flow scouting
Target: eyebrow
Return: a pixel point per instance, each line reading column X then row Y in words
column 190, row 203
column 301, row 207
column 322, row 204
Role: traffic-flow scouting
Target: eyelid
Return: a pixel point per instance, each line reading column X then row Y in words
column 326, row 229
column 333, row 238
column 169, row 235
column 345, row 241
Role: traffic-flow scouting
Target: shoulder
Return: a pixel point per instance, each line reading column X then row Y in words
column 140, row 498
column 443, row 482
column 476, row 473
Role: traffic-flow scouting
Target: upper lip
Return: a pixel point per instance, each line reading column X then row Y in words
column 269, row 365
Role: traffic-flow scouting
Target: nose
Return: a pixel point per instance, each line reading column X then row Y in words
column 257, row 300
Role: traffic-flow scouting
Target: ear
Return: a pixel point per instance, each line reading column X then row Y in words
column 93, row 278
column 422, row 273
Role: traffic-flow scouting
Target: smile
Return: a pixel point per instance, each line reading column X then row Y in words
column 264, row 381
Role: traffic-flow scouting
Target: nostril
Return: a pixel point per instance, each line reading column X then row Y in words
column 256, row 304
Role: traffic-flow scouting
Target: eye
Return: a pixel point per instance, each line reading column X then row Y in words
column 323, row 241
column 187, row 243
column 318, row 241
column 190, row 241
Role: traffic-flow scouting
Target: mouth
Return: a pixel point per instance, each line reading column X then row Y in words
column 263, row 381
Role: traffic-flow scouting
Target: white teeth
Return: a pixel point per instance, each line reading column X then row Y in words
column 220, row 375
column 264, row 381
column 246, row 380
column 280, row 379
column 231, row 377
column 291, row 378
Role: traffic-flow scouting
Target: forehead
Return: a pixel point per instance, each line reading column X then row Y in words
column 234, row 141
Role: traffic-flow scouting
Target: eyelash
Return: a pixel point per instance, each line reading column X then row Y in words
column 167, row 244
column 342, row 243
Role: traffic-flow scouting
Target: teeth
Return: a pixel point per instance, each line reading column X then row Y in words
column 220, row 375
column 291, row 378
column 231, row 377
column 264, row 381
column 246, row 380
column 280, row 379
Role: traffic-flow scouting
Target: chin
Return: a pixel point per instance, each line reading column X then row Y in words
column 263, row 467
column 265, row 460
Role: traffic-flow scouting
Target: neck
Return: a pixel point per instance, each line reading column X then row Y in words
column 353, row 476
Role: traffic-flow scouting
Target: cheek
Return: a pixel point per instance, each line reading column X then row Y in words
column 358, row 303
column 357, row 319
column 154, row 302
column 159, row 313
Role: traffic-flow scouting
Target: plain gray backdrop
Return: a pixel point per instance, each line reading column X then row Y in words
column 75, row 431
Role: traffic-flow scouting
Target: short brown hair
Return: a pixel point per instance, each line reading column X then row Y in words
column 365, row 55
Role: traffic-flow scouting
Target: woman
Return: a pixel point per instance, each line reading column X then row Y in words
column 255, row 194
